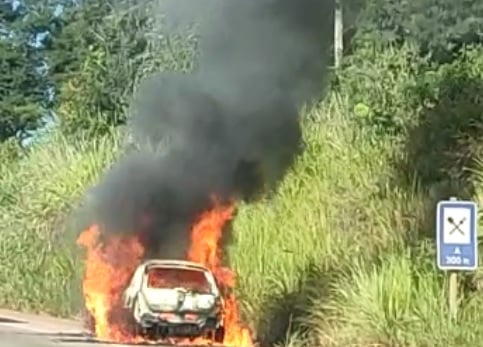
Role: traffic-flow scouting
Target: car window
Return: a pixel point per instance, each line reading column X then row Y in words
column 169, row 278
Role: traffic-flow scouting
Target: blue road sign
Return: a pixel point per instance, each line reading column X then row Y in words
column 456, row 235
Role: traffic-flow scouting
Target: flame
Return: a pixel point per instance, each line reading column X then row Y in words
column 108, row 270
column 110, row 263
column 205, row 249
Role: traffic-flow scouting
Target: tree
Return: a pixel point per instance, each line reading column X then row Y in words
column 98, row 58
column 23, row 81
column 439, row 27
column 94, row 64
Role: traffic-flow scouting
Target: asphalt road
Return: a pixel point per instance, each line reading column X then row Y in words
column 27, row 330
column 23, row 330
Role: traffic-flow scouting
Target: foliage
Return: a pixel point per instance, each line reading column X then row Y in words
column 383, row 85
column 449, row 123
column 10, row 150
column 340, row 255
column 23, row 82
column 392, row 90
column 328, row 255
column 114, row 47
column 438, row 27
column 33, row 210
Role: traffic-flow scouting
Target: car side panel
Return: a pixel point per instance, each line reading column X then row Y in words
column 134, row 287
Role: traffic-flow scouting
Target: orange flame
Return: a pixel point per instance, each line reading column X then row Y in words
column 110, row 264
column 108, row 268
column 205, row 249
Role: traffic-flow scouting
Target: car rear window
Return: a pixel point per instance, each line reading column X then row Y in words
column 172, row 278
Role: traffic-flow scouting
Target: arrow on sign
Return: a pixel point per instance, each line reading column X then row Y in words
column 457, row 250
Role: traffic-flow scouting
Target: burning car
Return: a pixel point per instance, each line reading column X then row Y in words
column 174, row 298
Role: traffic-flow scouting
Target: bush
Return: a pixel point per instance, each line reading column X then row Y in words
column 383, row 86
column 449, row 123
column 438, row 28
column 394, row 92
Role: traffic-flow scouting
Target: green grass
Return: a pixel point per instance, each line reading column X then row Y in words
column 37, row 193
column 324, row 263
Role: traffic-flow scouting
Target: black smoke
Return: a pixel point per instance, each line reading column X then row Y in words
column 229, row 129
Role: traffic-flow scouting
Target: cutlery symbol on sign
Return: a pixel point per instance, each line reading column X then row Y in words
column 456, row 226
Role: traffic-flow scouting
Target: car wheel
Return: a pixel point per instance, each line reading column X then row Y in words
column 219, row 335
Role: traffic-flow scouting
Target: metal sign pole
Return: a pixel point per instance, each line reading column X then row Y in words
column 453, row 294
column 453, row 287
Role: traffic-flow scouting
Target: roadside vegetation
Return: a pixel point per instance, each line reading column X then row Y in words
column 344, row 253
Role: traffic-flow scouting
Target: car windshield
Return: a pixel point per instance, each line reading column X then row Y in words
column 193, row 280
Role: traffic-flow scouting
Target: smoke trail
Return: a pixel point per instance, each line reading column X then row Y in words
column 233, row 124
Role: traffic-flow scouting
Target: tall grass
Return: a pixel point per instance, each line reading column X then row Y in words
column 37, row 192
column 327, row 262
column 334, row 250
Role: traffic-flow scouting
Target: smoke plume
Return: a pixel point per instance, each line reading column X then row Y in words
column 230, row 129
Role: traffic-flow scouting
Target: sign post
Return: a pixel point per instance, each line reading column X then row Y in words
column 456, row 242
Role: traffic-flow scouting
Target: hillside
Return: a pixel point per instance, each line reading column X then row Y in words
column 331, row 253
column 343, row 253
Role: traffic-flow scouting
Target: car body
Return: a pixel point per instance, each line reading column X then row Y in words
column 174, row 298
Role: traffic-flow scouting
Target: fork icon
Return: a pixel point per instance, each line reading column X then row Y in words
column 456, row 227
